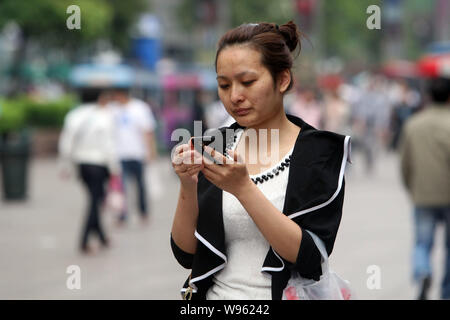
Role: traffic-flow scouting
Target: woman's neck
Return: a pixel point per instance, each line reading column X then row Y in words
column 275, row 136
column 278, row 122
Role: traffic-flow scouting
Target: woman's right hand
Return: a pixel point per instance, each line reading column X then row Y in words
column 187, row 163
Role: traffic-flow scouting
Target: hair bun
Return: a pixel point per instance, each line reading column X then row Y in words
column 291, row 35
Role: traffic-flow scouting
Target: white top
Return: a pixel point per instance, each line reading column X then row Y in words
column 88, row 137
column 241, row 278
column 133, row 120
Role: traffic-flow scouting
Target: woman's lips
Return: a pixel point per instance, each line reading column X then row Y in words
column 242, row 112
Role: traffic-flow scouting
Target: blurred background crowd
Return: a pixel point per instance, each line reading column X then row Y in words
column 163, row 52
column 349, row 78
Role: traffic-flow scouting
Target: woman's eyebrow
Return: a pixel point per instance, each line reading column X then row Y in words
column 238, row 75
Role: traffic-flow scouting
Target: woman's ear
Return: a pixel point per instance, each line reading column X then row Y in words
column 284, row 79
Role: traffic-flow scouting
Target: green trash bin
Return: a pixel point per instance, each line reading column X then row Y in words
column 14, row 156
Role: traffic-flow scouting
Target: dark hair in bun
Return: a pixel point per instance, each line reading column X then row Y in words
column 291, row 35
column 275, row 43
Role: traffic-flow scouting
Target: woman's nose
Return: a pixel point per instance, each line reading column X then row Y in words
column 236, row 94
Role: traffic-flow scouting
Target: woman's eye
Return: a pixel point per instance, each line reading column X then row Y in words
column 247, row 83
column 223, row 86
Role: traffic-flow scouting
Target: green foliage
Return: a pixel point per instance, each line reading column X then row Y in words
column 124, row 15
column 254, row 11
column 18, row 113
column 45, row 20
column 12, row 116
column 49, row 114
column 188, row 12
column 344, row 32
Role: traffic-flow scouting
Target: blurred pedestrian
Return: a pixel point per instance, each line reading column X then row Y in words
column 425, row 166
column 243, row 227
column 370, row 119
column 136, row 145
column 337, row 113
column 307, row 106
column 198, row 110
column 87, row 141
column 406, row 104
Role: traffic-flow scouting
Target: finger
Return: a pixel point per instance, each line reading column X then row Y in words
column 217, row 156
column 236, row 157
column 178, row 152
column 194, row 170
column 195, row 166
column 192, row 157
column 210, row 175
column 176, row 160
column 229, row 158
column 181, row 148
column 180, row 168
column 207, row 158
column 198, row 158
column 213, row 165
column 187, row 170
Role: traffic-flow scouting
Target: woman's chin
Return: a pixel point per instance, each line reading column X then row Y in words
column 243, row 121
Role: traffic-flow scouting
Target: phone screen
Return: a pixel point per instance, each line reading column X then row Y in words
column 199, row 143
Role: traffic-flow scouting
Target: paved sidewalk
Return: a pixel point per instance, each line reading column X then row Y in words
column 39, row 237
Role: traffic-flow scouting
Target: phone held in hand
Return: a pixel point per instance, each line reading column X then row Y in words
column 199, row 143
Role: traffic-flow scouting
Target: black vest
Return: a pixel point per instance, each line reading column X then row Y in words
column 314, row 200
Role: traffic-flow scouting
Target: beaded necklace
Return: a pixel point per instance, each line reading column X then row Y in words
column 269, row 175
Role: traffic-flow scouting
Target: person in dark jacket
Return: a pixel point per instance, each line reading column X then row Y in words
column 241, row 219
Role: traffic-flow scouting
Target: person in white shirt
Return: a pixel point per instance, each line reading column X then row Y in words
column 135, row 143
column 87, row 141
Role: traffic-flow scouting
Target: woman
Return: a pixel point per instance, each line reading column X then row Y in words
column 240, row 226
column 87, row 140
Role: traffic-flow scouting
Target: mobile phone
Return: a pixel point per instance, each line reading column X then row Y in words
column 199, row 143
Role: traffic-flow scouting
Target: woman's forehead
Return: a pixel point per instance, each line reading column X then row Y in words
column 235, row 60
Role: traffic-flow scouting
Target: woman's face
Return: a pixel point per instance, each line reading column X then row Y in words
column 246, row 87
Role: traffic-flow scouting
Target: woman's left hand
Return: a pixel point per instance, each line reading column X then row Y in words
column 230, row 175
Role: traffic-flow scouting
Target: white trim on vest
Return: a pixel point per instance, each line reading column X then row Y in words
column 217, row 252
column 345, row 158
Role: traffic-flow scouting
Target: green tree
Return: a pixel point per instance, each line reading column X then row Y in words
column 189, row 12
column 44, row 21
column 344, row 32
column 261, row 11
column 125, row 14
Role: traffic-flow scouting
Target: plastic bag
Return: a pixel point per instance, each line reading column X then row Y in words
column 329, row 287
column 115, row 198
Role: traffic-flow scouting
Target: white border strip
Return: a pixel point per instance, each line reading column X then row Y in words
column 217, row 252
column 345, row 158
column 210, row 246
column 265, row 269
column 206, row 275
column 341, row 176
